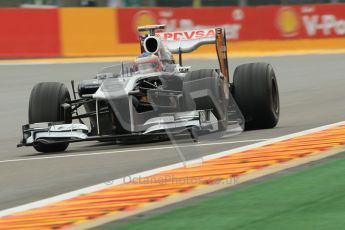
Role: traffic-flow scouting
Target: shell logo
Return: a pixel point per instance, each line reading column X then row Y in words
column 143, row 18
column 288, row 22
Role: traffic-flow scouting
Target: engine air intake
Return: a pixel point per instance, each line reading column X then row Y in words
column 151, row 44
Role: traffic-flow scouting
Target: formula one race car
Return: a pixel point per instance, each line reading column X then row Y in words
column 155, row 97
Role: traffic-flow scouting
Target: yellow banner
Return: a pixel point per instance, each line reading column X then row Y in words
column 88, row 31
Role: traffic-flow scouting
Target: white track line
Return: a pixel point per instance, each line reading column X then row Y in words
column 128, row 150
column 104, row 185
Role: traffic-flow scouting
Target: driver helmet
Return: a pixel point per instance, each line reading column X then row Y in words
column 147, row 62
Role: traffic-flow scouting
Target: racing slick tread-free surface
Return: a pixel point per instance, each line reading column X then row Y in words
column 45, row 106
column 256, row 93
column 45, row 102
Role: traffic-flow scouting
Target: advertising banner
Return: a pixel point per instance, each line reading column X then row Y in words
column 29, row 33
column 241, row 23
column 113, row 31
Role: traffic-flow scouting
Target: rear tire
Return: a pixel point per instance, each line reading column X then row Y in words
column 255, row 91
column 45, row 106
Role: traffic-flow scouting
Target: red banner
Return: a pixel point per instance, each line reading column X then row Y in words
column 29, row 33
column 241, row 23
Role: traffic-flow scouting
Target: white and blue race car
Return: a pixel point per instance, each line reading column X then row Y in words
column 154, row 97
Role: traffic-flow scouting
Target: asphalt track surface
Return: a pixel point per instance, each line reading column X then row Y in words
column 311, row 94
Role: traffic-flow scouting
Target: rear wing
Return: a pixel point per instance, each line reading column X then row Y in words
column 188, row 41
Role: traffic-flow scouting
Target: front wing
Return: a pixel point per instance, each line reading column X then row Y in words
column 176, row 124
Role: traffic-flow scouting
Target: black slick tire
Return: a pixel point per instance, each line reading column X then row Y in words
column 45, row 106
column 255, row 91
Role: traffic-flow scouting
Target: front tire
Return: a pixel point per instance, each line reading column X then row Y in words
column 45, row 106
column 255, row 91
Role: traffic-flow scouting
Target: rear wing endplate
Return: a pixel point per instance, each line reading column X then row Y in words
column 222, row 53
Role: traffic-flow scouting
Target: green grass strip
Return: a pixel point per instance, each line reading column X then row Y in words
column 308, row 199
